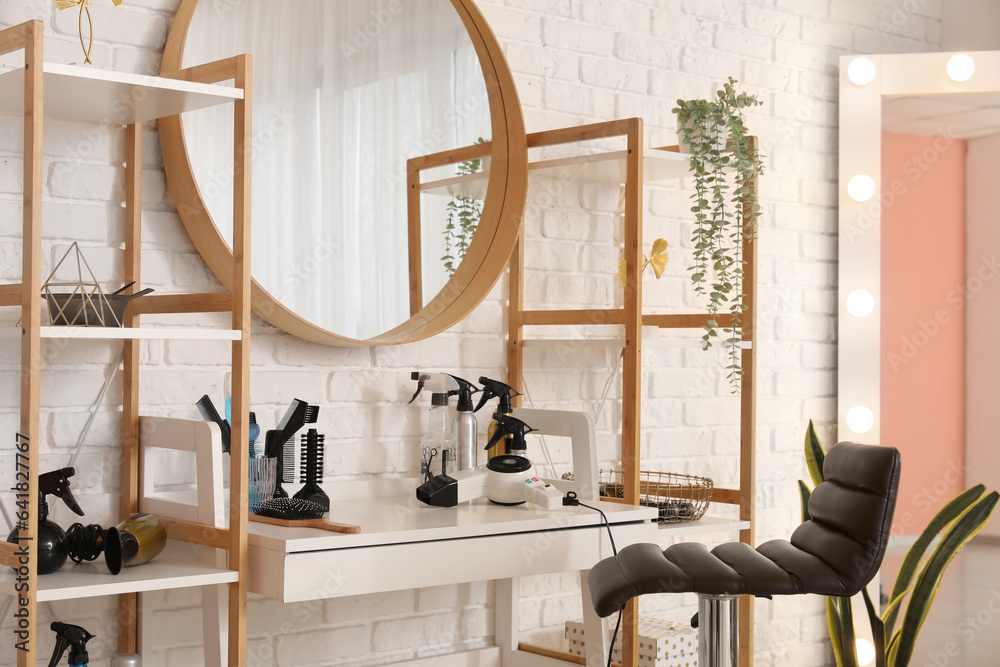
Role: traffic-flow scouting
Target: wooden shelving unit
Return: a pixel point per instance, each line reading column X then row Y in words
column 42, row 90
column 632, row 167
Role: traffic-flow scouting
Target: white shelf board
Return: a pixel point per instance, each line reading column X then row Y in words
column 177, row 567
column 706, row 524
column 605, row 167
column 116, row 333
column 619, row 343
column 85, row 94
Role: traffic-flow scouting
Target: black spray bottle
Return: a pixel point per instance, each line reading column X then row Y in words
column 51, row 544
column 497, row 389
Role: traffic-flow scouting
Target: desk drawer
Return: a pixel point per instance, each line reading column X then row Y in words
column 331, row 573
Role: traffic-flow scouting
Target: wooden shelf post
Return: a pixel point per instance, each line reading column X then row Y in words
column 28, row 37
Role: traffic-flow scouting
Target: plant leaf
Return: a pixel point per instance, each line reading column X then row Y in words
column 890, row 654
column 878, row 629
column 815, row 455
column 848, row 650
column 622, row 268
column 894, row 605
column 957, row 536
column 833, row 626
column 804, row 494
column 948, row 513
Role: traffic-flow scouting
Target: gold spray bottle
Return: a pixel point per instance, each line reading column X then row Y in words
column 503, row 391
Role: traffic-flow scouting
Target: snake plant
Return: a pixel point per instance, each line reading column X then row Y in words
column 957, row 523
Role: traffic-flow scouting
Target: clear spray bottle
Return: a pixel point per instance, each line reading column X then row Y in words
column 438, row 447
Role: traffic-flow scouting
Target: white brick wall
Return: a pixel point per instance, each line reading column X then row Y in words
column 574, row 61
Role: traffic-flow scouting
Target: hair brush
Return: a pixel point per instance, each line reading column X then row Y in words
column 311, row 467
column 295, row 513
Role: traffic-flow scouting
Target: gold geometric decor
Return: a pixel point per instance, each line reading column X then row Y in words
column 86, row 305
column 84, row 7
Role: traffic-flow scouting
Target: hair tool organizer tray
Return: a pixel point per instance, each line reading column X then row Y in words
column 307, row 506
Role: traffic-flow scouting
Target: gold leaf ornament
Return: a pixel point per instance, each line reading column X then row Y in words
column 657, row 259
column 88, row 45
column 66, row 4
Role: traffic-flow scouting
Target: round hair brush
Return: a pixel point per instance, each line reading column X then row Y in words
column 311, row 467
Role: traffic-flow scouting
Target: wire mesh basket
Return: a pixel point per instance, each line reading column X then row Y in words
column 677, row 497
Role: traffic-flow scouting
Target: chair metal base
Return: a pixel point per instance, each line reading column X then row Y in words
column 718, row 631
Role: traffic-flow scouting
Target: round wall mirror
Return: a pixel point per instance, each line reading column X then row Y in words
column 389, row 161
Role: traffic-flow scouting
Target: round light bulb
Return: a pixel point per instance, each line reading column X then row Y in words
column 860, row 303
column 861, row 188
column 961, row 67
column 861, row 71
column 860, row 419
column 865, row 651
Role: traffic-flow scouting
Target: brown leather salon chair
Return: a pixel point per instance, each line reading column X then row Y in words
column 837, row 552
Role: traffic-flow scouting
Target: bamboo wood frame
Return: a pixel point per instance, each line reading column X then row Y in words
column 631, row 317
column 491, row 246
column 29, row 38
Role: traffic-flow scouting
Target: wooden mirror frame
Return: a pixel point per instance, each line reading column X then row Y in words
column 488, row 254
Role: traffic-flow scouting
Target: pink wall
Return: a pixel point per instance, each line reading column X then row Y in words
column 983, row 317
column 923, row 320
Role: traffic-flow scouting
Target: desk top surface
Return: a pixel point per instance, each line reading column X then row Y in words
column 403, row 519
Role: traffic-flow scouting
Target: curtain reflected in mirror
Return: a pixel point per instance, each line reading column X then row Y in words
column 344, row 94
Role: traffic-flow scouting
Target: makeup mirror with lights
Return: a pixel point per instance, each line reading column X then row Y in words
column 351, row 93
column 919, row 281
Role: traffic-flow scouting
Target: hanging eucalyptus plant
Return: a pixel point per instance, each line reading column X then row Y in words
column 724, row 164
column 464, row 213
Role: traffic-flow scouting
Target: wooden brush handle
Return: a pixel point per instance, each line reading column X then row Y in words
column 322, row 524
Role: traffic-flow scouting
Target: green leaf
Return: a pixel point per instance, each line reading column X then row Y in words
column 890, row 651
column 957, row 536
column 948, row 513
column 878, row 628
column 815, row 454
column 804, row 494
column 833, row 626
column 848, row 650
column 894, row 605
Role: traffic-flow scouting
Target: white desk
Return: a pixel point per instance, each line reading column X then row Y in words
column 404, row 544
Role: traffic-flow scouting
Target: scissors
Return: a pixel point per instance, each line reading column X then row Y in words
column 428, row 454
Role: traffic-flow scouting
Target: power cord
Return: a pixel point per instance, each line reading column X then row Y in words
column 570, row 500
column 614, row 636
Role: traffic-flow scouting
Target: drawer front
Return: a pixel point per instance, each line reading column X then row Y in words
column 334, row 573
